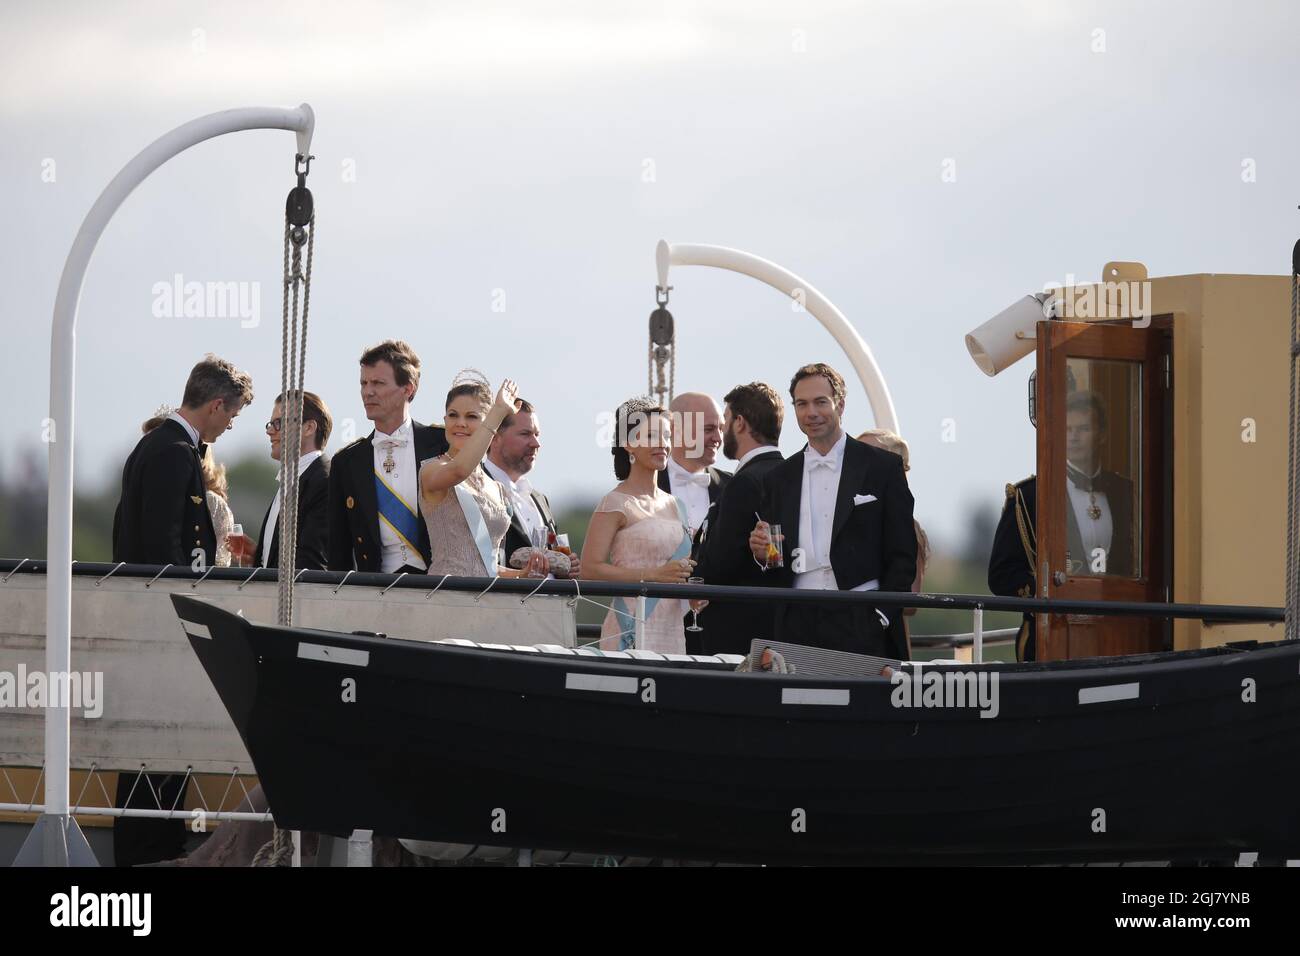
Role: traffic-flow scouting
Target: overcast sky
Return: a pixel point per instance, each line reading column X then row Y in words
column 542, row 150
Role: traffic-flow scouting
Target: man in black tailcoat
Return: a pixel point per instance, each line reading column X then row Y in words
column 313, row 489
column 375, row 522
column 751, row 429
column 846, row 515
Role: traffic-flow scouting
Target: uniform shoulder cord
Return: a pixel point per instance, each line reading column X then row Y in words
column 1028, row 534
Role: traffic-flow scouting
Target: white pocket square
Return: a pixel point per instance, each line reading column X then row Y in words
column 862, row 499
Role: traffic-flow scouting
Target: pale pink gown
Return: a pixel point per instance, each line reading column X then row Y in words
column 651, row 536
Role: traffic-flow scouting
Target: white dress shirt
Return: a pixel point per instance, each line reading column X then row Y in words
column 693, row 490
column 405, row 482
column 304, row 462
column 521, row 499
column 821, row 485
column 753, row 453
column 1096, row 532
column 189, row 429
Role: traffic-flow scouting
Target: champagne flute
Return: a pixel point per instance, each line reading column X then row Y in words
column 237, row 557
column 538, row 540
column 696, row 607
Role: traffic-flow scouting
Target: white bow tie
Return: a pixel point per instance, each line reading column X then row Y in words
column 523, row 488
column 823, row 462
column 700, row 479
column 394, row 442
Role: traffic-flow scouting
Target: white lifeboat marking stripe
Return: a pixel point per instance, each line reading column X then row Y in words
column 600, row 682
column 1108, row 692
column 822, row 696
column 333, row 655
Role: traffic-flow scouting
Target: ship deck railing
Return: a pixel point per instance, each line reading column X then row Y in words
column 588, row 590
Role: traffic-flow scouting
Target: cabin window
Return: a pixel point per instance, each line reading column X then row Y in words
column 1103, row 465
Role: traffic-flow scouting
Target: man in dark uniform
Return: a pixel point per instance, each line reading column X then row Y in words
column 375, row 523
column 1098, row 517
column 1014, row 556
column 750, row 433
column 162, row 518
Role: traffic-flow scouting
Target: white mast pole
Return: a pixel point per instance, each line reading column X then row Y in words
column 821, row 308
column 56, row 840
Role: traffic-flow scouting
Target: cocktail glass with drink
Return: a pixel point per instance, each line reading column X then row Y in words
column 775, row 540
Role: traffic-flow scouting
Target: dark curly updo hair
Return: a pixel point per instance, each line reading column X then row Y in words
column 628, row 417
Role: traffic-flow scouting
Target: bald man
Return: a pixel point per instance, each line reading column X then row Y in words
column 690, row 475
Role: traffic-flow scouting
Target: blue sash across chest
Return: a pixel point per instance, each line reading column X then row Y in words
column 400, row 516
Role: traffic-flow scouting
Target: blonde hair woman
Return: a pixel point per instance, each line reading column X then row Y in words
column 218, row 495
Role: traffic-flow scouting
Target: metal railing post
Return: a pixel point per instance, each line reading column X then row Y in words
column 56, row 840
column 638, row 640
column 977, row 647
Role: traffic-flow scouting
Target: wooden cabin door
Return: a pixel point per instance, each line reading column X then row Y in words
column 1102, row 523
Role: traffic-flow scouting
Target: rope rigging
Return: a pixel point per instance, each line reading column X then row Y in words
column 299, row 231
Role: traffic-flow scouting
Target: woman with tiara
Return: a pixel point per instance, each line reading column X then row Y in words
column 464, row 507
column 639, row 532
